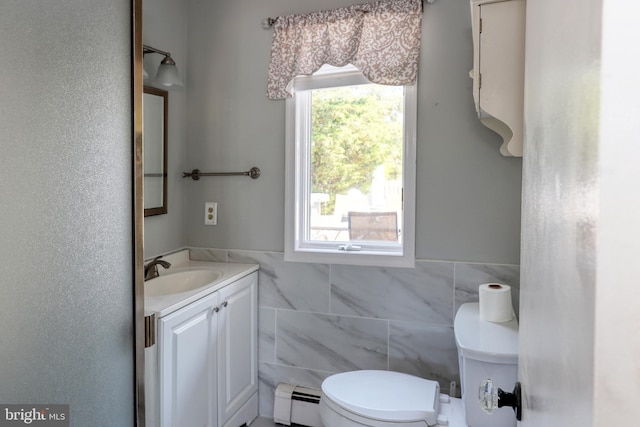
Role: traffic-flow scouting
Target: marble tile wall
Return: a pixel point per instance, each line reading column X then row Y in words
column 319, row 319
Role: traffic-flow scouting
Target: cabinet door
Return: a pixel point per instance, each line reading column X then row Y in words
column 188, row 366
column 501, row 67
column 237, row 345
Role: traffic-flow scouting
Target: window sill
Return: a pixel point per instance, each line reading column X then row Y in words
column 363, row 258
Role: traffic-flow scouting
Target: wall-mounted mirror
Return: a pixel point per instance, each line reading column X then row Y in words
column 154, row 140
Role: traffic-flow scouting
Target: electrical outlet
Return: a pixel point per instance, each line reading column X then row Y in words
column 210, row 213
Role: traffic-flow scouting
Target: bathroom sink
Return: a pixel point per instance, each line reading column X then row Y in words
column 174, row 282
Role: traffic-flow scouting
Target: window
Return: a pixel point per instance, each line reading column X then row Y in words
column 350, row 178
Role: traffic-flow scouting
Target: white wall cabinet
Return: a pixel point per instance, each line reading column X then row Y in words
column 208, row 359
column 498, row 28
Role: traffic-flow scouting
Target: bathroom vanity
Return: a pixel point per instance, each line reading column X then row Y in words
column 202, row 370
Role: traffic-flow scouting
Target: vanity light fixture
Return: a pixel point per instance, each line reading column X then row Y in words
column 167, row 71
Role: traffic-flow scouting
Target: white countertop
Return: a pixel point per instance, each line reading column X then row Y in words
column 166, row 304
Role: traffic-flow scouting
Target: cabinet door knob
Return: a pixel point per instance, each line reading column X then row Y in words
column 226, row 303
column 216, row 308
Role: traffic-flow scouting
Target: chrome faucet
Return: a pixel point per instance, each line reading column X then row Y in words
column 151, row 269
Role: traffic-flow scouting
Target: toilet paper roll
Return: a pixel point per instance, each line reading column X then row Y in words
column 495, row 302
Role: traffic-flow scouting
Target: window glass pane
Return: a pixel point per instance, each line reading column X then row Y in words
column 356, row 164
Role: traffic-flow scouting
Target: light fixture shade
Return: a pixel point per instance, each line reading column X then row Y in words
column 168, row 73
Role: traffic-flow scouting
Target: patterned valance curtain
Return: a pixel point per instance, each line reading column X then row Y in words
column 382, row 39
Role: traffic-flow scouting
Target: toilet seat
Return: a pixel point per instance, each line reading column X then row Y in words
column 334, row 415
column 378, row 398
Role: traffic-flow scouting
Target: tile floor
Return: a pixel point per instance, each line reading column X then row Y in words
column 268, row 422
column 264, row 422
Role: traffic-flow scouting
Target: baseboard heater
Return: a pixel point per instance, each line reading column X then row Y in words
column 297, row 405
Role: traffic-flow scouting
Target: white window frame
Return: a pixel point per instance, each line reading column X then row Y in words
column 297, row 145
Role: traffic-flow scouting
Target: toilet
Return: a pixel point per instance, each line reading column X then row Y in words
column 374, row 398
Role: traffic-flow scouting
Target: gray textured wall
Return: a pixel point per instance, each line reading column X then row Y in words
column 468, row 195
column 65, row 208
column 165, row 28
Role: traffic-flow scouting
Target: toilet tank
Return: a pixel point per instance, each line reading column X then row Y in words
column 485, row 350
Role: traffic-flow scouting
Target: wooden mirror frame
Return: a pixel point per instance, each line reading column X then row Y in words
column 158, row 210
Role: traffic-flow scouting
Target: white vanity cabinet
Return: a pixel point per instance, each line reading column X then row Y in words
column 187, row 344
column 237, row 350
column 207, row 359
column 498, row 28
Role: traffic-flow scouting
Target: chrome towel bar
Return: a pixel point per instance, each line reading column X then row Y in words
column 253, row 173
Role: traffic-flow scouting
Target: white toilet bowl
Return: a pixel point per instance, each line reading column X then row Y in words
column 386, row 398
